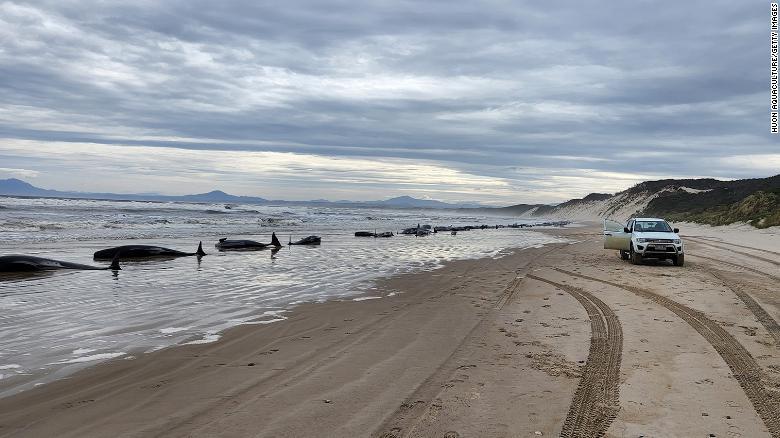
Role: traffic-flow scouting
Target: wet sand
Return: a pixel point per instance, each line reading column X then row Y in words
column 562, row 340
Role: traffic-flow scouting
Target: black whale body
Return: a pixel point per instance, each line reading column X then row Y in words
column 310, row 240
column 23, row 263
column 144, row 251
column 226, row 244
column 370, row 234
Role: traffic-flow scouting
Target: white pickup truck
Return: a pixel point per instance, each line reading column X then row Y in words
column 644, row 238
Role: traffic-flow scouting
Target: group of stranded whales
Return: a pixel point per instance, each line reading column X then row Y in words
column 24, row 263
column 226, row 244
column 426, row 230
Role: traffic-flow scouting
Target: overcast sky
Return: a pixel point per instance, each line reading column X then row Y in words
column 496, row 101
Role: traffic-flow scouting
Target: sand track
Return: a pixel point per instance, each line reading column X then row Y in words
column 709, row 239
column 404, row 421
column 759, row 312
column 742, row 364
column 738, row 266
column 731, row 249
column 596, row 400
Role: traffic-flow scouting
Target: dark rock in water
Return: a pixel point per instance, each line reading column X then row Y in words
column 311, row 240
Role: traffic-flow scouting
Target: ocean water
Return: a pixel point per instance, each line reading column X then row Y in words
column 54, row 323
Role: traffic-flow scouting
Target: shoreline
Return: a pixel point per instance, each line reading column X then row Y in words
column 485, row 347
column 34, row 376
column 60, row 320
column 238, row 346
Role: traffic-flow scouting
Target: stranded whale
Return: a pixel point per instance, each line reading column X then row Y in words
column 144, row 251
column 311, row 240
column 22, row 263
column 370, row 234
column 246, row 245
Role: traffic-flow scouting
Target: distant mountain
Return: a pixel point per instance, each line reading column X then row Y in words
column 218, row 196
column 710, row 201
column 16, row 187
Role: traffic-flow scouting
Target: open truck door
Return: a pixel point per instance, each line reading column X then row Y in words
column 615, row 236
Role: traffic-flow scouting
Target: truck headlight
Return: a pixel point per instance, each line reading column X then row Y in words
column 677, row 241
column 641, row 240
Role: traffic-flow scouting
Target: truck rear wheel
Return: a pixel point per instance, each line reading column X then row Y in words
column 624, row 255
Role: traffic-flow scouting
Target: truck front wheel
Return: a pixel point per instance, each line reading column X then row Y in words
column 679, row 260
column 636, row 258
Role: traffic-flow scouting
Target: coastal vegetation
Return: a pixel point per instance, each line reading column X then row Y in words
column 753, row 201
column 760, row 209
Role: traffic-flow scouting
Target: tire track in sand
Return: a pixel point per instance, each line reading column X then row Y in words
column 759, row 312
column 743, row 366
column 730, row 249
column 596, row 400
column 403, row 421
column 709, row 239
column 746, row 268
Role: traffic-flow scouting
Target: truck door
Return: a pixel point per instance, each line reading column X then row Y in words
column 615, row 237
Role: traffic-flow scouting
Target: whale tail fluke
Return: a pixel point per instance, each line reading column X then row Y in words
column 200, row 252
column 274, row 241
column 115, row 263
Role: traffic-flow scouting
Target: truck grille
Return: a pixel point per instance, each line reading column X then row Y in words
column 660, row 241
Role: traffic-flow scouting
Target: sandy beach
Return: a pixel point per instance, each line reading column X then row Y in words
column 562, row 340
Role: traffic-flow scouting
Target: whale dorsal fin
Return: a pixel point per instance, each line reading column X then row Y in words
column 115, row 263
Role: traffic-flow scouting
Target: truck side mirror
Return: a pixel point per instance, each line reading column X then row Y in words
column 626, row 230
column 676, row 230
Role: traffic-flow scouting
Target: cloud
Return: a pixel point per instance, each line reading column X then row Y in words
column 117, row 167
column 587, row 90
column 18, row 173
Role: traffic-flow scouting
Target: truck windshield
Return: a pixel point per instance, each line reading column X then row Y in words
column 652, row 226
